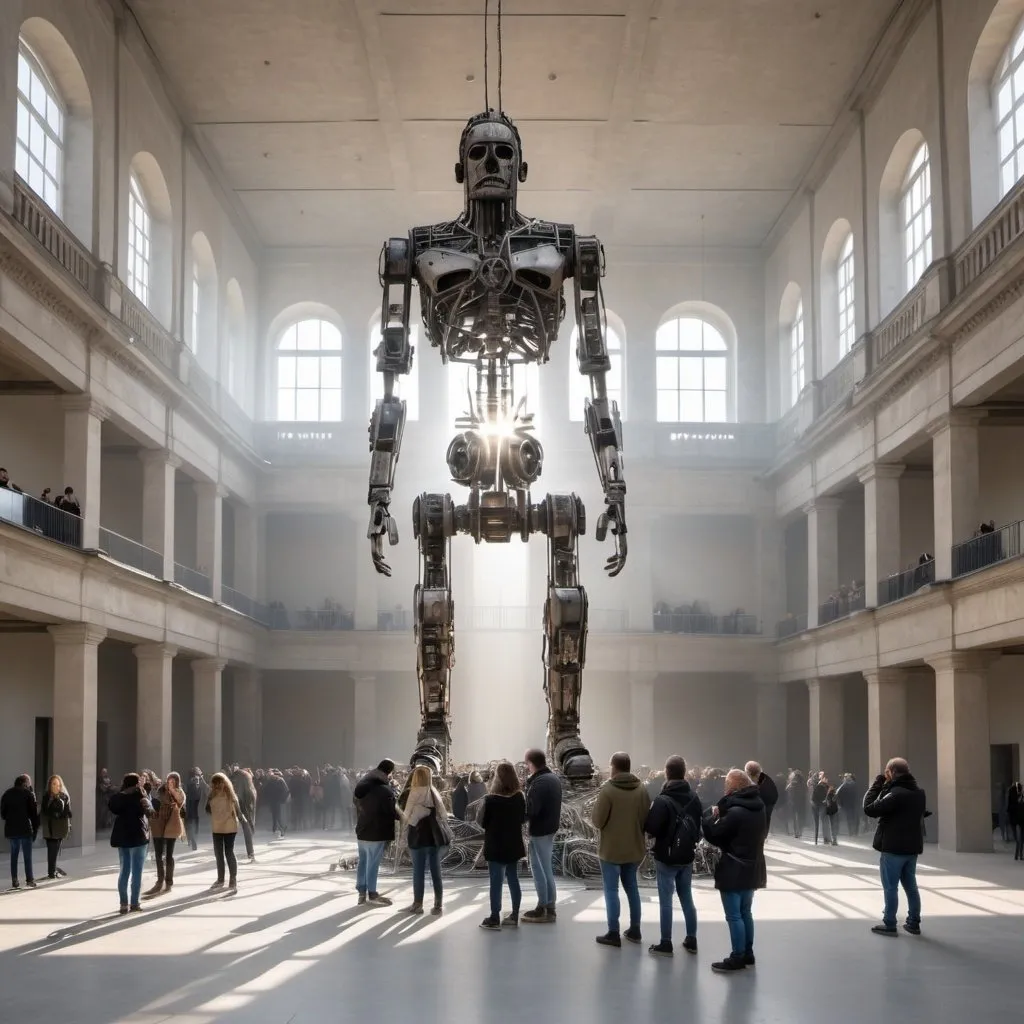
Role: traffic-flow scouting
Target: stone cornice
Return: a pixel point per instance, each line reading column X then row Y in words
column 77, row 633
column 21, row 271
column 967, row 661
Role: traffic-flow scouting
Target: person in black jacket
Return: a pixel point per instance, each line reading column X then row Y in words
column 376, row 813
column 1015, row 814
column 674, row 823
column 130, row 837
column 737, row 826
column 849, row 799
column 55, row 816
column 898, row 802
column 796, row 797
column 544, row 814
column 766, row 787
column 460, row 798
column 819, row 791
column 20, row 813
column 276, row 794
column 502, row 820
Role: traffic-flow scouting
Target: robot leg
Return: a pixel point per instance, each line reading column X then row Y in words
column 434, row 614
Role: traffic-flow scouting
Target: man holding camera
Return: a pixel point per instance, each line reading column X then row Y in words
column 898, row 803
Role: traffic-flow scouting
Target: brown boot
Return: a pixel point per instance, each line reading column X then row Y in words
column 155, row 889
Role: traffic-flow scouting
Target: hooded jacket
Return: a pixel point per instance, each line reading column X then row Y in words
column 899, row 807
column 543, row 802
column 676, row 797
column 619, row 814
column 376, row 812
column 739, row 832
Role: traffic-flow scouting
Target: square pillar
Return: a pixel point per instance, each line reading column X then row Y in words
column 207, row 709
column 75, row 685
column 881, row 526
column 159, row 470
column 822, row 554
column 956, row 482
column 247, row 550
column 772, row 727
column 366, row 744
column 964, row 796
column 642, row 717
column 83, row 428
column 210, row 533
column 826, row 715
column 153, row 707
column 248, row 717
column 887, row 716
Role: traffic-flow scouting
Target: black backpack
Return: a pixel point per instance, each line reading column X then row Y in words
column 683, row 833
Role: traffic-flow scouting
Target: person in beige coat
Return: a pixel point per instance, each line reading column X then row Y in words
column 225, row 815
column 166, row 826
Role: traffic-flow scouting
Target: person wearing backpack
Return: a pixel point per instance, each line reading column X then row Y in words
column 674, row 823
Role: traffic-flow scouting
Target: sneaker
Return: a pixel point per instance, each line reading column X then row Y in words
column 437, row 909
column 609, row 939
column 52, row 877
column 31, row 883
column 490, row 924
column 550, row 914
column 632, row 935
column 123, row 909
column 690, row 944
column 377, row 900
column 416, row 908
column 749, row 960
column 884, row 929
column 252, row 860
column 219, row 884
column 361, row 902
column 233, row 885
column 912, row 929
column 135, row 909
column 511, row 920
column 729, row 965
column 535, row 916
column 663, row 948
column 15, row 884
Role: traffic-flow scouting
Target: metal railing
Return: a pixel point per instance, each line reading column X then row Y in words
column 395, row 621
column 899, row 326
column 32, row 213
column 706, row 624
column 836, row 385
column 40, row 517
column 903, row 584
column 986, row 549
column 332, row 619
column 192, row 579
column 147, row 332
column 841, row 605
column 131, row 552
column 791, row 625
column 995, row 234
column 238, row 601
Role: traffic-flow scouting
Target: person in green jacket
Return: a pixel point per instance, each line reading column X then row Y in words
column 618, row 815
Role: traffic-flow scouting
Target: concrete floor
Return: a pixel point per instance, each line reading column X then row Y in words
column 292, row 947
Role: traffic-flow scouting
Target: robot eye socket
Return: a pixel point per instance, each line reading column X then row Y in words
column 477, row 152
column 503, row 152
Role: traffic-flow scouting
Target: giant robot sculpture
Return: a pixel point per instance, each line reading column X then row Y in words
column 491, row 293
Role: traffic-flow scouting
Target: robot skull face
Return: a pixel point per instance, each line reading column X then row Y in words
column 491, row 161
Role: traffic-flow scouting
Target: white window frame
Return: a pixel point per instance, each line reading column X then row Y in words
column 846, row 288
column 916, row 216
column 407, row 386
column 293, row 361
column 579, row 384
column 41, row 118
column 1008, row 107
column 140, row 241
column 669, row 350
column 797, row 355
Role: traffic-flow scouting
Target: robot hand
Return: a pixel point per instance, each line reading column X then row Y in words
column 381, row 525
column 614, row 515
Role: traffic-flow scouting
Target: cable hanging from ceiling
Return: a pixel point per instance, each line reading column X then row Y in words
column 487, row 77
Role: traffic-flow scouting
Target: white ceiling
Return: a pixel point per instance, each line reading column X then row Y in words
column 336, row 122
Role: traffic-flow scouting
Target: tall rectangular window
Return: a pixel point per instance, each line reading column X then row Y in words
column 39, row 149
column 847, row 299
column 139, row 241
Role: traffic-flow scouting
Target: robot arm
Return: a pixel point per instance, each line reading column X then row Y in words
column 387, row 423
column 601, row 416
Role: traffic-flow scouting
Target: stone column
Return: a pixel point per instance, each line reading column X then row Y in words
column 210, row 533
column 826, row 714
column 771, row 576
column 822, row 553
column 153, row 716
column 247, row 550
column 956, row 482
column 964, row 797
column 366, row 749
column 772, row 727
column 642, row 748
column 83, row 425
column 207, row 709
column 881, row 526
column 159, row 470
column 248, row 717
column 75, row 685
column 887, row 716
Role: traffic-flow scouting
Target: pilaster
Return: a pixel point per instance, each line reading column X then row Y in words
column 153, row 715
column 822, row 553
column 83, row 426
column 207, row 711
column 210, row 533
column 159, row 470
column 887, row 716
column 956, row 483
column 881, row 525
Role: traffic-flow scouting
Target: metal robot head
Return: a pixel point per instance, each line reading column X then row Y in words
column 490, row 158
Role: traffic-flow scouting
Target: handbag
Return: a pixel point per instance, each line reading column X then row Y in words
column 440, row 830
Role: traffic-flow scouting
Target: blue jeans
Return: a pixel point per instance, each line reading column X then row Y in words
column 542, row 850
column 369, row 864
column 420, row 859
column 132, row 858
column 611, row 874
column 896, row 870
column 510, row 873
column 24, row 844
column 674, row 880
column 737, row 906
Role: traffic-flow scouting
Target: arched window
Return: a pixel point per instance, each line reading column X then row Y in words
column 797, row 355
column 407, row 386
column 309, row 373
column 462, row 379
column 39, row 153
column 579, row 385
column 916, row 214
column 1009, row 111
column 139, row 240
column 692, row 372
column 847, row 298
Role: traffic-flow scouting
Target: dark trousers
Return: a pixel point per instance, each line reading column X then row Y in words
column 422, row 858
column 276, row 821
column 191, row 832
column 224, row 850
column 24, row 845
column 851, row 820
column 504, row 872
column 1018, row 835
column 163, row 851
column 798, row 820
column 247, row 836
column 52, row 852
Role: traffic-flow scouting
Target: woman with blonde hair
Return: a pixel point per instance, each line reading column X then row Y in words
column 225, row 814
column 55, row 823
column 427, row 818
column 167, row 827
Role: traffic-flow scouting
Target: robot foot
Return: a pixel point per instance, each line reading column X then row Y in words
column 430, row 751
column 573, row 759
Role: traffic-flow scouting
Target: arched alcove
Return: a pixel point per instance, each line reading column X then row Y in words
column 285, row 350
column 202, row 297
column 148, row 246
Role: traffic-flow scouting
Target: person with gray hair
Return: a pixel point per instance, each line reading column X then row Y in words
column 765, row 786
column 898, row 803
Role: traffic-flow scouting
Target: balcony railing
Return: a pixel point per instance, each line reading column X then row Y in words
column 131, row 552
column 395, row 621
column 32, row 213
column 147, row 332
column 40, row 517
column 841, row 605
column 986, row 549
column 899, row 326
column 192, row 579
column 705, row 624
column 238, row 601
column 311, row 620
column 903, row 584
column 790, row 626
column 836, row 385
column 998, row 231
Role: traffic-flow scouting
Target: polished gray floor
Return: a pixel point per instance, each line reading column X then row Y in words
column 293, row 947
